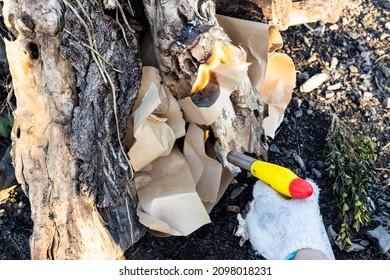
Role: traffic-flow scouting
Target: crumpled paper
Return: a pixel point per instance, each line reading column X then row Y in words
column 178, row 187
column 228, row 80
column 276, row 90
column 271, row 73
column 175, row 191
column 155, row 123
column 210, row 177
column 168, row 202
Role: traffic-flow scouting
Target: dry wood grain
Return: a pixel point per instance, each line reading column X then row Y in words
column 71, row 103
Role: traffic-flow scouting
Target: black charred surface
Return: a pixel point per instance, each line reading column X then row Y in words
column 246, row 9
column 180, row 30
column 189, row 32
column 104, row 172
column 207, row 96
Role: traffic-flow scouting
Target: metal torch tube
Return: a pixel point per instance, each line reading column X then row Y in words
column 240, row 160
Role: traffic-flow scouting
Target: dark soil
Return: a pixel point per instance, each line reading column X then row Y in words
column 361, row 45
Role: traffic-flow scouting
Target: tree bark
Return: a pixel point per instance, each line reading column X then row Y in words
column 184, row 34
column 76, row 74
column 243, row 9
column 285, row 13
column 315, row 10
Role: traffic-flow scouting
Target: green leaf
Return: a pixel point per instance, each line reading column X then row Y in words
column 358, row 203
column 350, row 160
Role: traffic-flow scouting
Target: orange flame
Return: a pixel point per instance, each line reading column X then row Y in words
column 222, row 53
column 206, row 135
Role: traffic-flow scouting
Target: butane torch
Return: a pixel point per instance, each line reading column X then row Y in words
column 281, row 179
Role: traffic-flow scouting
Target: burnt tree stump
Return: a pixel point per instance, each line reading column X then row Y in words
column 184, row 34
column 76, row 74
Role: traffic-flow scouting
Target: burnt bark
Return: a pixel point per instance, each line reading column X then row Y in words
column 184, row 34
column 76, row 74
column 243, row 9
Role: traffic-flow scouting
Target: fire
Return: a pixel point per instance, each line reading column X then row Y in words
column 206, row 135
column 227, row 54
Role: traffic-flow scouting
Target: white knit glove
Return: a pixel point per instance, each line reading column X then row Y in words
column 278, row 226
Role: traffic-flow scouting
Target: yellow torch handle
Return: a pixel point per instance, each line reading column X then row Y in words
column 278, row 177
column 281, row 179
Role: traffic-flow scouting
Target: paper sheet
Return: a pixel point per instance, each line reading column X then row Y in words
column 258, row 39
column 272, row 74
column 169, row 203
column 154, row 139
column 276, row 90
column 176, row 192
column 156, row 121
column 204, row 115
column 229, row 80
column 207, row 172
column 175, row 118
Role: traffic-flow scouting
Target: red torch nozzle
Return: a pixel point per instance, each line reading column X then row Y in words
column 300, row 188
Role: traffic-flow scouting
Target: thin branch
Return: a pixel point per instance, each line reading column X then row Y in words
column 130, row 8
column 117, row 121
column 124, row 16
column 106, row 77
column 92, row 49
column 381, row 57
column 123, row 30
column 382, row 169
column 89, row 35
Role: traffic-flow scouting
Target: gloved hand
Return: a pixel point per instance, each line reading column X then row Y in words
column 278, row 226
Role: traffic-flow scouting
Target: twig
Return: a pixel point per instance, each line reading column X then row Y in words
column 299, row 150
column 10, row 93
column 381, row 57
column 7, row 102
column 124, row 16
column 378, row 84
column 92, row 31
column 382, row 169
column 130, row 8
column 333, row 123
column 87, row 16
column 14, row 242
column 89, row 35
column 106, row 77
column 123, row 30
column 117, row 122
column 104, row 60
column 92, row 49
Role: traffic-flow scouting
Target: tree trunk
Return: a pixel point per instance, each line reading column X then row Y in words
column 315, row 10
column 76, row 74
column 285, row 13
column 184, row 34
